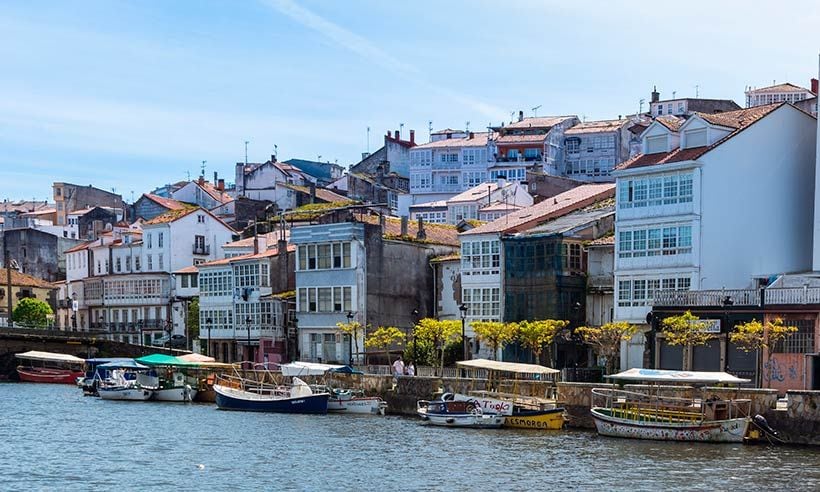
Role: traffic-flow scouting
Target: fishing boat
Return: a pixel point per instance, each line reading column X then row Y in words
column 447, row 412
column 94, row 375
column 644, row 415
column 341, row 400
column 521, row 412
column 171, row 383
column 49, row 367
column 126, row 380
column 235, row 393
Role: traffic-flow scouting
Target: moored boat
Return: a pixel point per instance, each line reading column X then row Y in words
column 341, row 400
column 235, row 393
column 642, row 415
column 49, row 367
column 450, row 413
column 126, row 380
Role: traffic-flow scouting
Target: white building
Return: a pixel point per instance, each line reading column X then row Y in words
column 777, row 93
column 259, row 181
column 451, row 163
column 594, row 148
column 718, row 202
column 528, row 144
column 485, row 202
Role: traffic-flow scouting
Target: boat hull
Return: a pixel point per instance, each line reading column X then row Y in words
column 731, row 430
column 480, row 421
column 367, row 405
column 175, row 394
column 536, row 419
column 125, row 394
column 46, row 375
column 234, row 399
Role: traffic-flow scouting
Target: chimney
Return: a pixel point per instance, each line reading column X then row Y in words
column 273, row 157
column 397, row 135
column 656, row 96
column 471, row 135
column 312, row 192
column 365, row 155
column 814, row 86
column 520, row 116
column 501, row 182
column 403, row 225
column 220, row 185
column 421, row 235
column 412, row 136
column 202, row 180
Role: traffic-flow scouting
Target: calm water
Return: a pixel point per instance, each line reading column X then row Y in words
column 53, row 438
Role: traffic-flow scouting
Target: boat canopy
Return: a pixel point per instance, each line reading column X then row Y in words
column 164, row 360
column 196, row 358
column 49, row 357
column 299, row 368
column 666, row 376
column 123, row 364
column 494, row 365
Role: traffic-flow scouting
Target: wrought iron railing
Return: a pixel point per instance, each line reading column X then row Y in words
column 723, row 297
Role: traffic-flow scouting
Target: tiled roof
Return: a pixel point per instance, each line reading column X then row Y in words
column 429, row 205
column 738, row 120
column 44, row 211
column 270, row 238
column 451, row 257
column 321, row 193
column 217, row 195
column 172, row 215
column 80, row 247
column 550, row 208
column 436, row 233
column 500, row 207
column 671, row 122
column 596, row 126
column 786, row 87
column 23, row 280
column 477, row 192
column 446, row 131
column 539, row 122
column 187, row 269
column 250, row 256
column 479, row 140
column 168, row 203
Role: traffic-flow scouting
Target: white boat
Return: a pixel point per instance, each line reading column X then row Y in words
column 174, row 389
column 126, row 380
column 642, row 415
column 450, row 413
column 124, row 392
column 354, row 401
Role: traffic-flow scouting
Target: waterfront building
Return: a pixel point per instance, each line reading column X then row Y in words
column 600, row 297
column 69, row 197
column 260, row 181
column 395, row 152
column 484, row 202
column 362, row 268
column 202, row 193
column 23, row 286
column 483, row 257
column 149, row 206
column 37, row 250
column 719, row 201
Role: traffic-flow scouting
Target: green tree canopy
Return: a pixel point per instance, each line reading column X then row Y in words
column 438, row 333
column 351, row 329
column 32, row 312
column 537, row 334
column 496, row 333
column 383, row 338
column 606, row 339
column 686, row 330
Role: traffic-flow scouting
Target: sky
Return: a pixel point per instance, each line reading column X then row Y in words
column 134, row 95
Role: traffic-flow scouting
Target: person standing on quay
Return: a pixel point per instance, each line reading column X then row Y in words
column 398, row 367
column 410, row 368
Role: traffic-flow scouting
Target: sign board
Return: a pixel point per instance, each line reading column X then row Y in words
column 709, row 325
column 75, row 305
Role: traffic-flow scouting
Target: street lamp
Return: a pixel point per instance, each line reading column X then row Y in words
column 208, row 351
column 248, row 322
column 350, row 338
column 463, row 308
column 414, row 319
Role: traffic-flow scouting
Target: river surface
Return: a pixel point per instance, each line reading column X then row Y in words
column 53, row 438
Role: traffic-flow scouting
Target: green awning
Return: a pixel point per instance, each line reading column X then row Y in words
column 164, row 360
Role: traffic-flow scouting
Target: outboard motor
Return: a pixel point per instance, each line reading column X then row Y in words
column 763, row 425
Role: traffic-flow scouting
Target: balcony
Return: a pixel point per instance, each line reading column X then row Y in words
column 717, row 298
column 202, row 249
column 519, row 158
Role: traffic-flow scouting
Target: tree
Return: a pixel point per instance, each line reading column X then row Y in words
column 537, row 334
column 193, row 319
column 754, row 335
column 351, row 329
column 438, row 333
column 31, row 312
column 383, row 338
column 606, row 340
column 686, row 330
column 496, row 333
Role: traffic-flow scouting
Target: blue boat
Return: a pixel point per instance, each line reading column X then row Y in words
column 234, row 393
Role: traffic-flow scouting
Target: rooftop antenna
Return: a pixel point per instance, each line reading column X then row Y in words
column 401, row 128
column 512, row 116
column 430, row 130
column 673, row 94
column 189, row 175
column 368, row 139
column 319, row 158
column 275, row 150
column 535, row 110
column 467, row 127
column 203, row 167
column 640, row 105
column 697, row 90
column 246, row 154
column 584, row 118
column 132, row 196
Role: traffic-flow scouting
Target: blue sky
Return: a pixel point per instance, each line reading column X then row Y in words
column 132, row 95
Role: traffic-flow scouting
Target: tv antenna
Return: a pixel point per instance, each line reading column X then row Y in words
column 512, row 116
column 246, row 154
column 697, row 92
column 430, row 130
column 401, row 128
column 640, row 106
column 535, row 110
column 467, row 127
column 275, row 150
column 203, row 167
column 368, row 139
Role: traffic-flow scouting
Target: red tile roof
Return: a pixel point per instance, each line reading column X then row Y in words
column 80, row 247
column 596, row 127
column 479, row 140
column 786, row 87
column 172, row 215
column 603, row 241
column 321, row 193
column 23, row 280
column 671, row 122
column 539, row 122
column 738, row 120
column 250, row 256
column 550, row 208
column 217, row 195
column 187, row 269
column 168, row 203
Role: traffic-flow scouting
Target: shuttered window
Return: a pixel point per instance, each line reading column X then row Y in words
column 655, row 145
column 696, row 138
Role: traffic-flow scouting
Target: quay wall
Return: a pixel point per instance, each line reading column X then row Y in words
column 799, row 423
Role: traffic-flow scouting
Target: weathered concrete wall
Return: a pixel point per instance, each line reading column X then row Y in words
column 576, row 398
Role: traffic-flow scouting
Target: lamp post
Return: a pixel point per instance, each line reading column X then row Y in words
column 248, row 322
column 350, row 338
column 74, row 311
column 414, row 319
column 463, row 308
column 209, row 321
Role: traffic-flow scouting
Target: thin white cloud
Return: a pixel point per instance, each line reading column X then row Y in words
column 367, row 50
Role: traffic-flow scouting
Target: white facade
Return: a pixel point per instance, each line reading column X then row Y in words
column 482, row 277
column 776, row 94
column 733, row 213
column 446, row 167
column 193, row 238
column 469, row 205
